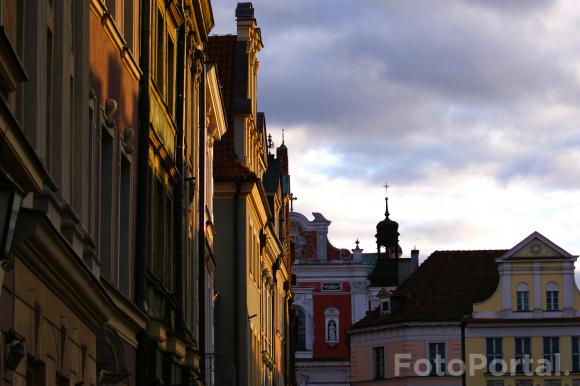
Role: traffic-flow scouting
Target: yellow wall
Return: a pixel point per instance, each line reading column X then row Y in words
column 478, row 345
column 493, row 303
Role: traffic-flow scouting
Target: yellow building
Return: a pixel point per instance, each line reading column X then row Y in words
column 251, row 203
column 531, row 324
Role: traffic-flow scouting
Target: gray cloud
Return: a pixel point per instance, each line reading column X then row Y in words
column 402, row 89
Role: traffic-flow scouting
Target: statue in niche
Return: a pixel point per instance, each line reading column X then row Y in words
column 332, row 335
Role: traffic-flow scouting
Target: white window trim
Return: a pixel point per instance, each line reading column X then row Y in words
column 445, row 358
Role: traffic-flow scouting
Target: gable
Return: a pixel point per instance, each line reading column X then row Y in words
column 536, row 247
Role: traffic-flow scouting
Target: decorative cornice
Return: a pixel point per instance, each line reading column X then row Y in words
column 52, row 259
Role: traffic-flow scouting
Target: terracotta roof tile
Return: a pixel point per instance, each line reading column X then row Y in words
column 443, row 288
column 221, row 50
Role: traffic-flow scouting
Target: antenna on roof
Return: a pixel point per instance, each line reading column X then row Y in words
column 282, row 136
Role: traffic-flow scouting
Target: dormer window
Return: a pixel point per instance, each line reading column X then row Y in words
column 552, row 297
column 523, row 297
column 385, row 307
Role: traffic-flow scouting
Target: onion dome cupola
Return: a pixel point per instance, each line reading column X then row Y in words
column 388, row 235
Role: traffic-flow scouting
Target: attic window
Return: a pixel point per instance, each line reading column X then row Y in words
column 331, row 287
column 386, row 307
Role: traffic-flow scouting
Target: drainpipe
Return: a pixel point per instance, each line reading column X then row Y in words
column 202, row 204
column 237, row 314
column 142, row 190
column 275, row 268
column 463, row 324
column 178, row 204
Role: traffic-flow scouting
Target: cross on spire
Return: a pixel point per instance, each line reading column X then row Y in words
column 292, row 199
column 386, row 186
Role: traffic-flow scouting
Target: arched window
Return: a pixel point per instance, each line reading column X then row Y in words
column 523, row 297
column 332, row 325
column 300, row 329
column 552, row 297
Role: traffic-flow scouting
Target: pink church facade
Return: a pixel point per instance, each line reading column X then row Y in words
column 330, row 294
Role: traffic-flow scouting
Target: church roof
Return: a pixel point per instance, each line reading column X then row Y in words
column 443, row 288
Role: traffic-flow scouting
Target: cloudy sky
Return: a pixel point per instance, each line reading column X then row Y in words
column 469, row 109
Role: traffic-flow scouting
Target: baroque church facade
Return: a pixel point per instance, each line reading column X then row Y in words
column 335, row 288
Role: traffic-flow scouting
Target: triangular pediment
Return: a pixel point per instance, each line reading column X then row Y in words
column 384, row 293
column 536, row 247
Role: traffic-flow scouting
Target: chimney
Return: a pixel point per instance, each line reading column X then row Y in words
column 245, row 11
column 282, row 155
column 415, row 258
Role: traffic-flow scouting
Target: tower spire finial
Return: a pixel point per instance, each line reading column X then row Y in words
column 387, row 186
column 282, row 136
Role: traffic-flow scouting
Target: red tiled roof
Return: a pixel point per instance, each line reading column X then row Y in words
column 220, row 50
column 443, row 288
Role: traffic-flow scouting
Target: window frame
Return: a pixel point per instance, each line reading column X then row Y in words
column 575, row 354
column 522, row 297
column 551, row 356
column 432, row 359
column 494, row 353
column 552, row 297
column 522, row 354
column 380, row 371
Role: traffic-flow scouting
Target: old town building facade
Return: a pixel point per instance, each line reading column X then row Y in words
column 252, row 191
column 481, row 308
column 330, row 294
column 109, row 117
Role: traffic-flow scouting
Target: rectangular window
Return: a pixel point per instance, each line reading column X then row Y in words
column 91, row 162
column 437, row 358
column 552, row 303
column 379, row 362
column 552, row 382
column 124, row 226
column 576, row 354
column 106, row 204
column 170, row 76
column 524, row 382
column 111, row 7
column 494, row 383
column 48, row 98
column 523, row 300
column 159, row 53
column 35, row 373
column 128, row 22
column 523, row 354
column 552, row 352
column 168, row 253
column 494, row 350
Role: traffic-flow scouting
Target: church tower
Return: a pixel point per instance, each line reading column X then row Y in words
column 388, row 236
